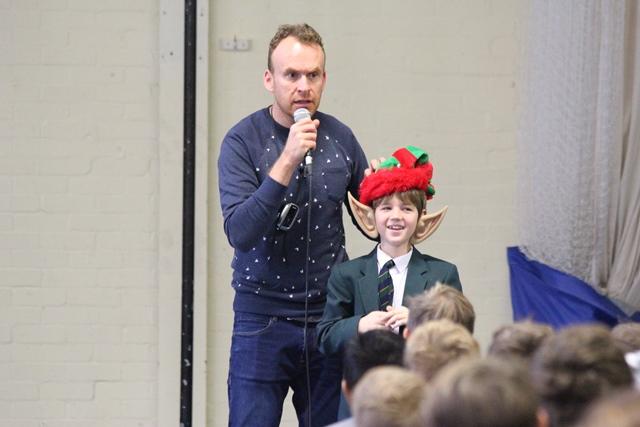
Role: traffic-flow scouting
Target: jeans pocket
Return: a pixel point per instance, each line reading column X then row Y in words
column 248, row 325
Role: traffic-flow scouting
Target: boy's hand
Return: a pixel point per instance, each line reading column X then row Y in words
column 398, row 317
column 373, row 320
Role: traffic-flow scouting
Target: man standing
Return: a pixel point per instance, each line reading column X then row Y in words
column 281, row 264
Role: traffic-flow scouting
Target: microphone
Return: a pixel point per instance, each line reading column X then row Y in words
column 300, row 114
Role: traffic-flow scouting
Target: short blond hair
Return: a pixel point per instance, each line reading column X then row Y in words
column 441, row 302
column 388, row 396
column 436, row 343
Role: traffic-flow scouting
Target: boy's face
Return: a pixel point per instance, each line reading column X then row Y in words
column 396, row 222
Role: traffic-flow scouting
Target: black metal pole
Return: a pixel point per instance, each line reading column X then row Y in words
column 188, row 213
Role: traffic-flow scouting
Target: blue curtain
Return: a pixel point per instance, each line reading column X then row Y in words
column 546, row 295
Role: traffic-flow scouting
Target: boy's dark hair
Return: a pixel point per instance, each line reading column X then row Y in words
column 627, row 336
column 576, row 366
column 368, row 350
column 520, row 339
column 441, row 302
column 417, row 198
column 302, row 32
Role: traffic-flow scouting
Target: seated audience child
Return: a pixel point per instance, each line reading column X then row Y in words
column 364, row 352
column 440, row 302
column 627, row 337
column 620, row 410
column 388, row 396
column 371, row 292
column 520, row 339
column 436, row 343
column 575, row 367
column 482, row 393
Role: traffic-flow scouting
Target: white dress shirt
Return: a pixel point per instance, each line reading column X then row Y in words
column 398, row 273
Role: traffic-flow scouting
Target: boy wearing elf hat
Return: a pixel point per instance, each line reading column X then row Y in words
column 370, row 292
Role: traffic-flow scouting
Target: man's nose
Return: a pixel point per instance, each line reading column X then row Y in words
column 303, row 84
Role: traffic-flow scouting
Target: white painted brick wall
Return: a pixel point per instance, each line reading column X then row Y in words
column 78, row 195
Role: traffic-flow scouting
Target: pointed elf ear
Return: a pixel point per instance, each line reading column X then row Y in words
column 428, row 224
column 364, row 216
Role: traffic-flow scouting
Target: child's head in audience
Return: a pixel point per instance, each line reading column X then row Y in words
column 627, row 336
column 388, row 396
column 440, row 302
column 436, row 343
column 621, row 409
column 519, row 339
column 366, row 351
column 576, row 366
column 482, row 393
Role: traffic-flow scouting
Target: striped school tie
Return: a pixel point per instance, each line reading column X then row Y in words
column 385, row 286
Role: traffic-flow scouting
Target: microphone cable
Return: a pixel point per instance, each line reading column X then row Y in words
column 309, row 175
column 301, row 114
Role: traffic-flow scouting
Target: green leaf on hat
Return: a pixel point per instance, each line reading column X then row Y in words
column 421, row 155
column 389, row 163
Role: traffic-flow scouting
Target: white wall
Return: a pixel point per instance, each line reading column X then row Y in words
column 437, row 74
column 78, row 213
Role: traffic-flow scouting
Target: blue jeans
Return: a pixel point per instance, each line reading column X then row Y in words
column 267, row 357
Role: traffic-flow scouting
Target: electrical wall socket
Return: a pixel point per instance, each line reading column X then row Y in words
column 227, row 44
column 243, row 44
column 235, row 44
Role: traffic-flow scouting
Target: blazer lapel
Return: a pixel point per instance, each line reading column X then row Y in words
column 367, row 284
column 416, row 276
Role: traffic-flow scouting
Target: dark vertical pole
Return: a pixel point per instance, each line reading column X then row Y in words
column 188, row 213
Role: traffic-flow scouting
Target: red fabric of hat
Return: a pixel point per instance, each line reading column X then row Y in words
column 408, row 169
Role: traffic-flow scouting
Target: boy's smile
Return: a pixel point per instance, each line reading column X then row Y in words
column 396, row 223
column 395, row 227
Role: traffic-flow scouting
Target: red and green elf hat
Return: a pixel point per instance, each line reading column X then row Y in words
column 408, row 169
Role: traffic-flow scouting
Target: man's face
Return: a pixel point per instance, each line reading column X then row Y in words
column 297, row 78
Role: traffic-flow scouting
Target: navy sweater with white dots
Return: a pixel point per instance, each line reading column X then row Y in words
column 268, row 264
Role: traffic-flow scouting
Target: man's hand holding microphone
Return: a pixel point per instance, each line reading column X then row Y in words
column 301, row 141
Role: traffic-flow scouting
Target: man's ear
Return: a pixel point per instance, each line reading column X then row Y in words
column 428, row 224
column 267, row 80
column 364, row 217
